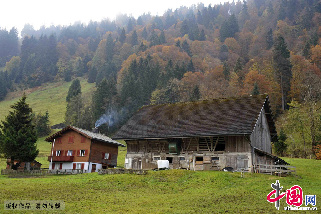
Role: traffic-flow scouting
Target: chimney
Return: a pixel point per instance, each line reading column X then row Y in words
column 95, row 130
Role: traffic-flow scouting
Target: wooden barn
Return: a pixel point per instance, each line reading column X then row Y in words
column 75, row 148
column 202, row 135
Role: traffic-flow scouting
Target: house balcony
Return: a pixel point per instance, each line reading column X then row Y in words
column 61, row 158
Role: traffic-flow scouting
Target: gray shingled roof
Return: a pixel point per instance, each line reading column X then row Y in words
column 229, row 116
column 86, row 133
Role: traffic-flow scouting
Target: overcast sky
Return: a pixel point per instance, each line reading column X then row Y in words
column 16, row 13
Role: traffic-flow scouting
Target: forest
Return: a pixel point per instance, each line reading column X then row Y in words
column 192, row 53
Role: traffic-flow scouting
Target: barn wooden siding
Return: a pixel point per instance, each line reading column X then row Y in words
column 198, row 153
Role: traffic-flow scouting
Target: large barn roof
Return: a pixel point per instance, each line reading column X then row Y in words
column 228, row 116
column 86, row 133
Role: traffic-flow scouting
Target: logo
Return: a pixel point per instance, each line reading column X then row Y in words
column 294, row 197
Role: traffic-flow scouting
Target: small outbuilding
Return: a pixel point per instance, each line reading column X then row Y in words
column 75, row 148
column 202, row 135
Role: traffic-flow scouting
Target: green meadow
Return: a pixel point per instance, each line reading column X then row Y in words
column 170, row 191
column 49, row 97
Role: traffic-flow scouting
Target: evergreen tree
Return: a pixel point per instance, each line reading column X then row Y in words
column 18, row 136
column 186, row 48
column 142, row 47
column 269, row 39
column 74, row 90
column 162, row 39
column 190, row 66
column 255, row 89
column 109, row 48
column 226, row 71
column 74, row 110
column 280, row 146
column 196, row 94
column 154, row 39
column 184, row 28
column 282, row 66
column 238, row 66
column 307, row 50
column 122, row 36
column 144, row 33
column 134, row 38
column 102, row 99
column 202, row 36
column 229, row 28
column 92, row 75
column 42, row 124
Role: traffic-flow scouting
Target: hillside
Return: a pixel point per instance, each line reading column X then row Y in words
column 49, row 97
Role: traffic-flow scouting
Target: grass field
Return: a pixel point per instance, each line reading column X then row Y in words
column 172, row 191
column 51, row 97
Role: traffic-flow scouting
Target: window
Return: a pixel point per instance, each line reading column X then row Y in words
column 71, row 139
column 78, row 166
column 215, row 158
column 69, row 153
column 156, row 158
column 106, row 157
column 58, row 153
column 181, row 158
column 58, row 140
column 82, row 153
column 170, row 159
column 199, row 159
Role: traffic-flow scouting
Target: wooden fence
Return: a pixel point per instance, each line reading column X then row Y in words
column 274, row 169
column 41, row 172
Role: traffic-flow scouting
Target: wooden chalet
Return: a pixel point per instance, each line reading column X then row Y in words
column 202, row 135
column 75, row 148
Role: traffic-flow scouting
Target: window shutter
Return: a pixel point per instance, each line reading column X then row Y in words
column 103, row 155
column 54, row 153
column 62, row 152
column 73, row 166
column 109, row 157
column 71, row 139
column 78, row 152
column 53, row 166
column 86, row 152
column 74, row 153
column 82, row 166
column 60, row 166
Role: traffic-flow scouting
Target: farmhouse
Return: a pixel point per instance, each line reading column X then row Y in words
column 202, row 135
column 75, row 148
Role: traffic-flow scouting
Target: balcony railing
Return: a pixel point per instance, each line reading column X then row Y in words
column 61, row 158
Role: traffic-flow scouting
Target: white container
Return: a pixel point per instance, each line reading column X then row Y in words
column 163, row 164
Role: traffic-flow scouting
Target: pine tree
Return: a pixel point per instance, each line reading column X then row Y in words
column 307, row 50
column 196, row 94
column 186, row 48
column 229, row 28
column 109, row 48
column 238, row 66
column 144, row 33
column 42, row 124
column 280, row 146
column 202, row 36
column 134, row 38
column 162, row 39
column 122, row 36
column 226, row 71
column 74, row 90
column 18, row 136
column 255, row 89
column 282, row 66
column 269, row 39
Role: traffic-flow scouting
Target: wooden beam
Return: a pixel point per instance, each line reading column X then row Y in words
column 216, row 144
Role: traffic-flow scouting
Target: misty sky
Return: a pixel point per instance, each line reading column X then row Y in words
column 16, row 13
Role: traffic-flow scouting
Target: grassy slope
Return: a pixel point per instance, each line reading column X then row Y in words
column 172, row 191
column 51, row 97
